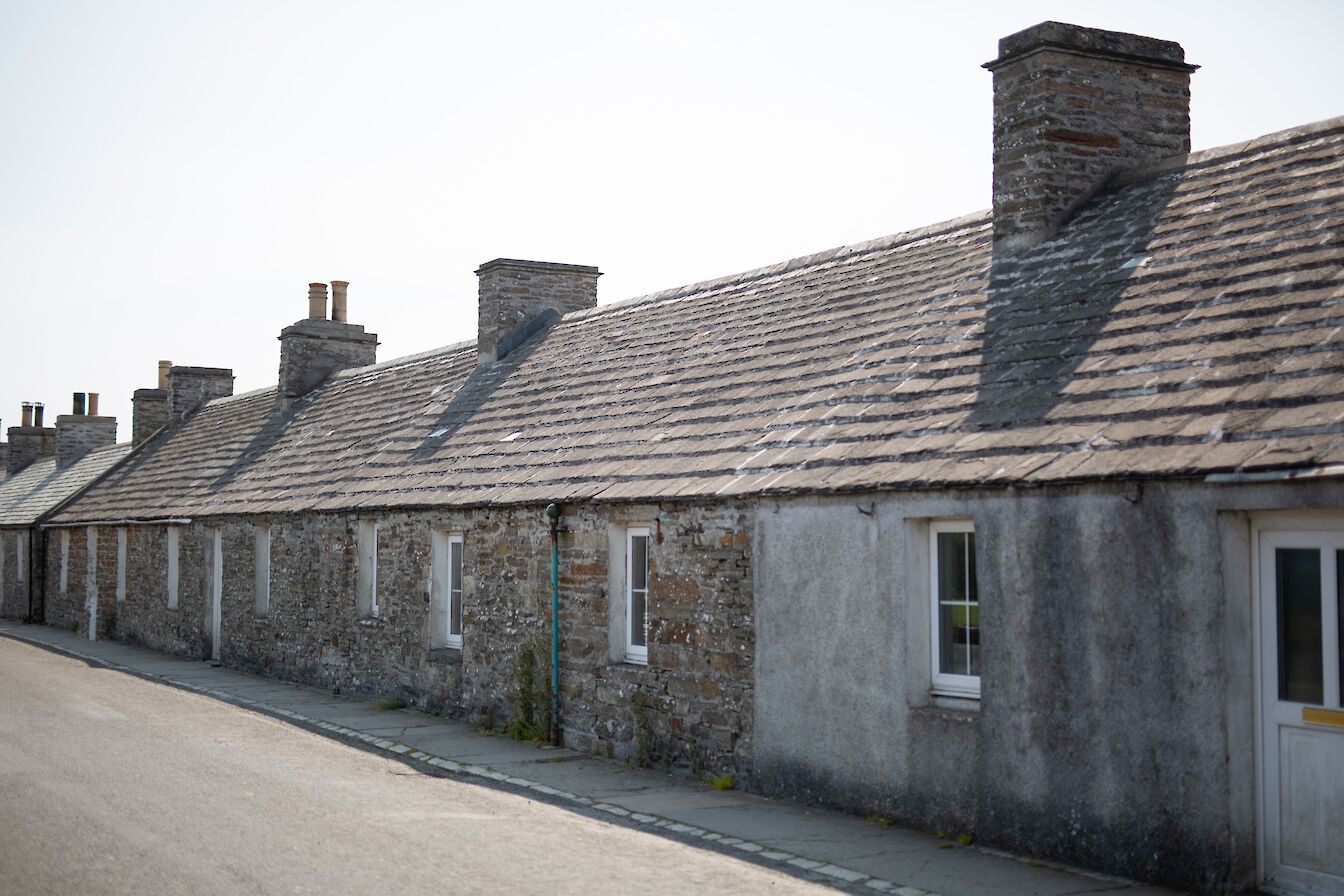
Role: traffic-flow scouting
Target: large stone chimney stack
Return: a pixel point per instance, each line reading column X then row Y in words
column 517, row 298
column 313, row 349
column 191, row 387
column 149, row 407
column 1072, row 107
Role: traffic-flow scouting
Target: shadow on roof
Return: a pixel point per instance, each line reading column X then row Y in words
column 271, row 431
column 1047, row 306
column 477, row 388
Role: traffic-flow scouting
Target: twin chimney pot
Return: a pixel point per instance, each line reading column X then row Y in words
column 313, row 349
column 30, row 440
column 82, row 430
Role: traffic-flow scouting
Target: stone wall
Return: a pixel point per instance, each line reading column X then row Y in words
column 13, row 591
column 144, row 616
column 65, row 607
column 689, row 708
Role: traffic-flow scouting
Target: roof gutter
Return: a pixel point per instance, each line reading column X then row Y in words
column 1328, row 471
column 173, row 521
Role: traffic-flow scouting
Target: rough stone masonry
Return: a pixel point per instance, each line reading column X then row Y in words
column 689, row 708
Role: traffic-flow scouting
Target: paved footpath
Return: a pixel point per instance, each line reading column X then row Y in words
column 855, row 855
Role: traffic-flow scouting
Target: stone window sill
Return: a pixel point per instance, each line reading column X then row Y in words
column 449, row 656
column 631, row 665
column 950, row 707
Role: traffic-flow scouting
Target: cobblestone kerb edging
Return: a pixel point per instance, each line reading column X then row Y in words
column 831, row 873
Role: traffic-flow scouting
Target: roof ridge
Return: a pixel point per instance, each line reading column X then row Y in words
column 404, row 359
column 347, row 372
column 1204, row 157
column 109, row 447
column 238, row 396
column 891, row 241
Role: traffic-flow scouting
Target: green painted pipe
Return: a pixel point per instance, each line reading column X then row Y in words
column 553, row 512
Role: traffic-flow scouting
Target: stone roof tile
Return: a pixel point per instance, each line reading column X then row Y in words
column 1187, row 321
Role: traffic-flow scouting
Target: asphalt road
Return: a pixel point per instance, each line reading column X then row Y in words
column 112, row 784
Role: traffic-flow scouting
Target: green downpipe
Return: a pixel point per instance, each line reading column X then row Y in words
column 553, row 512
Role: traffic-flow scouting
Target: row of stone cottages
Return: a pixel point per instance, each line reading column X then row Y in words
column 1112, row 405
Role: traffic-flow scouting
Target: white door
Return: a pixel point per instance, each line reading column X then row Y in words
column 1301, row 719
column 216, row 592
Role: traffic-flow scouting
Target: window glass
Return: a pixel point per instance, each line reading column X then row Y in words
column 455, row 590
column 958, row 605
column 121, row 565
column 639, row 562
column 262, row 568
column 952, row 583
column 366, row 587
column 1301, row 666
column 637, row 596
column 172, row 567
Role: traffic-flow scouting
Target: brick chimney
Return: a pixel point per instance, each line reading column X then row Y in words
column 312, row 350
column 191, row 387
column 1072, row 107
column 518, row 298
column 82, row 430
column 30, row 440
column 149, row 407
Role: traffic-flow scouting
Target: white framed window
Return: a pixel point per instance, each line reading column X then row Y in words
column 20, row 552
column 954, row 609
column 121, row 565
column 65, row 560
column 366, row 598
column 445, row 585
column 172, row 567
column 262, row 585
column 637, row 595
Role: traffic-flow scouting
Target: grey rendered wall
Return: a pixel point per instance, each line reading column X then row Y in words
column 1116, row 724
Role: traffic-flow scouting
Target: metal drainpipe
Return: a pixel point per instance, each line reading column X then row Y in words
column 553, row 513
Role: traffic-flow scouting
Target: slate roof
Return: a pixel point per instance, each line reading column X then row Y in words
column 1186, row 321
column 40, row 486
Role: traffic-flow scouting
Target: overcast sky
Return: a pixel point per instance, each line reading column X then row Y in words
column 173, row 174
